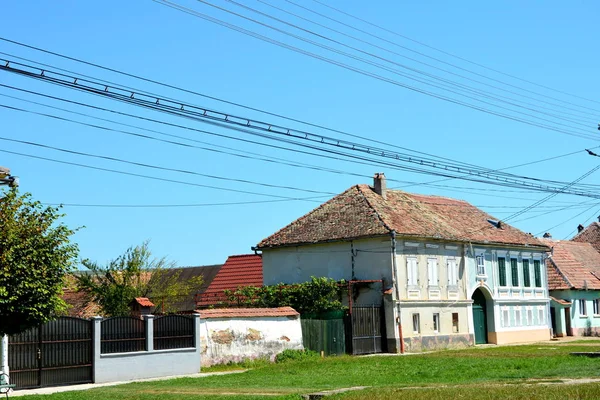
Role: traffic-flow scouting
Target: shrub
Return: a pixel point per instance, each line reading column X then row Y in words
column 295, row 355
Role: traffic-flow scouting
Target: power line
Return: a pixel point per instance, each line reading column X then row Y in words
column 568, row 220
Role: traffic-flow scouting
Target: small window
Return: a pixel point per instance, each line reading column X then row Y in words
column 455, row 322
column 416, row 323
column 432, row 272
column 452, row 272
column 514, row 271
column 537, row 271
column 526, row 277
column 412, row 271
column 541, row 319
column 505, row 318
column 502, row 270
column 529, row 317
column 582, row 309
column 596, row 307
column 518, row 317
column 436, row 322
column 480, row 264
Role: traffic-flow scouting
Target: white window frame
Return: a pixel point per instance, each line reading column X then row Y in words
column 432, row 272
column 505, row 318
column 416, row 321
column 452, row 271
column 541, row 316
column 412, row 271
column 529, row 316
column 582, row 306
column 596, row 305
column 518, row 320
column 436, row 322
column 480, row 267
column 457, row 326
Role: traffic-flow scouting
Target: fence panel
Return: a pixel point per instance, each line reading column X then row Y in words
column 173, row 332
column 23, row 359
column 324, row 335
column 122, row 335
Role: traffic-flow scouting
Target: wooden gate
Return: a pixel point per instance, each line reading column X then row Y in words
column 367, row 326
column 57, row 353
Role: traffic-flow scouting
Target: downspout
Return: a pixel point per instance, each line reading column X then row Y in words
column 397, row 286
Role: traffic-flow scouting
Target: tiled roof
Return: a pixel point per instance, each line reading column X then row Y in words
column 241, row 270
column 560, row 301
column 573, row 265
column 361, row 212
column 591, row 235
column 144, row 302
column 208, row 273
column 80, row 304
column 248, row 312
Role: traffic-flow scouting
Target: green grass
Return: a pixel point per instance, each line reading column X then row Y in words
column 389, row 376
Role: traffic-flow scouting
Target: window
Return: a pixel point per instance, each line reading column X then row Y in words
column 452, row 272
column 505, row 318
column 455, row 322
column 502, row 270
column 518, row 317
column 526, row 277
column 537, row 271
column 416, row 323
column 541, row 316
column 436, row 322
column 582, row 309
column 529, row 317
column 514, row 271
column 412, row 271
column 432, row 272
column 596, row 304
column 480, row 264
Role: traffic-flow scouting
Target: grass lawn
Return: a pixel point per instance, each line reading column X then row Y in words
column 520, row 372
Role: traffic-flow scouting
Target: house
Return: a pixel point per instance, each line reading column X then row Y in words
column 590, row 234
column 453, row 275
column 238, row 270
column 187, row 303
column 574, row 284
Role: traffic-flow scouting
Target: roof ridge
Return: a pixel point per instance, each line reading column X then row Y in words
column 385, row 224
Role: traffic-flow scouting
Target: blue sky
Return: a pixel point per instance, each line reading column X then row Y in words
column 550, row 43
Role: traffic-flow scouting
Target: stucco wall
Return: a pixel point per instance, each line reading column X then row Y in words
column 145, row 364
column 588, row 324
column 235, row 339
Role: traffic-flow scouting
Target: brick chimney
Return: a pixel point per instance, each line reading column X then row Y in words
column 580, row 228
column 547, row 235
column 379, row 184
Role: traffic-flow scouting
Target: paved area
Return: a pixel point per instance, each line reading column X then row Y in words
column 57, row 389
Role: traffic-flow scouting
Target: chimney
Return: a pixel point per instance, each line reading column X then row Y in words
column 547, row 235
column 580, row 228
column 379, row 184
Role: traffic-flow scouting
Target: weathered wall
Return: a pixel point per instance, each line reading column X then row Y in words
column 235, row 339
column 145, row 364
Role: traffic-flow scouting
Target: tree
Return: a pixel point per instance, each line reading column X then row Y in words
column 134, row 274
column 35, row 256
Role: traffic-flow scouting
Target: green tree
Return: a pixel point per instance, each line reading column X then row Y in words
column 135, row 274
column 35, row 256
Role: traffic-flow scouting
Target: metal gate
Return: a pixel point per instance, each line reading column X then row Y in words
column 59, row 352
column 367, row 329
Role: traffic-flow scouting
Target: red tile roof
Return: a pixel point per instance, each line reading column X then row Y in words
column 560, row 301
column 241, row 270
column 248, row 312
column 361, row 212
column 591, row 235
column 80, row 304
column 573, row 265
column 144, row 302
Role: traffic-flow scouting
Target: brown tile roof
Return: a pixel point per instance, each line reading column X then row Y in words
column 573, row 265
column 560, row 301
column 144, row 302
column 240, row 270
column 208, row 273
column 248, row 312
column 360, row 212
column 591, row 235
column 80, row 304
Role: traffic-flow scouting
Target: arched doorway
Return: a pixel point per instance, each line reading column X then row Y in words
column 479, row 317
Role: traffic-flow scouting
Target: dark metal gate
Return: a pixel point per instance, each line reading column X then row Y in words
column 59, row 352
column 367, row 324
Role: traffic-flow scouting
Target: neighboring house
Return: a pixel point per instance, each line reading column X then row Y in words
column 240, row 270
column 187, row 303
column 79, row 304
column 574, row 284
column 590, row 234
column 453, row 275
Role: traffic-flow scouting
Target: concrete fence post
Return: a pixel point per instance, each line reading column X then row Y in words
column 4, row 354
column 97, row 345
column 149, row 332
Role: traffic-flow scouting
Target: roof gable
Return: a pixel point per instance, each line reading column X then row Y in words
column 591, row 234
column 574, row 266
column 361, row 212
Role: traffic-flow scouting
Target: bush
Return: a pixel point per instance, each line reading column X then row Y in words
column 295, row 355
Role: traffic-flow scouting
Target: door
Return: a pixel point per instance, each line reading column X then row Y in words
column 553, row 321
column 479, row 317
column 568, row 321
column 367, row 329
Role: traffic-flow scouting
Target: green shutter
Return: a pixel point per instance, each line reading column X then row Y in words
column 538, row 273
column 502, row 270
column 514, row 269
column 526, row 279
